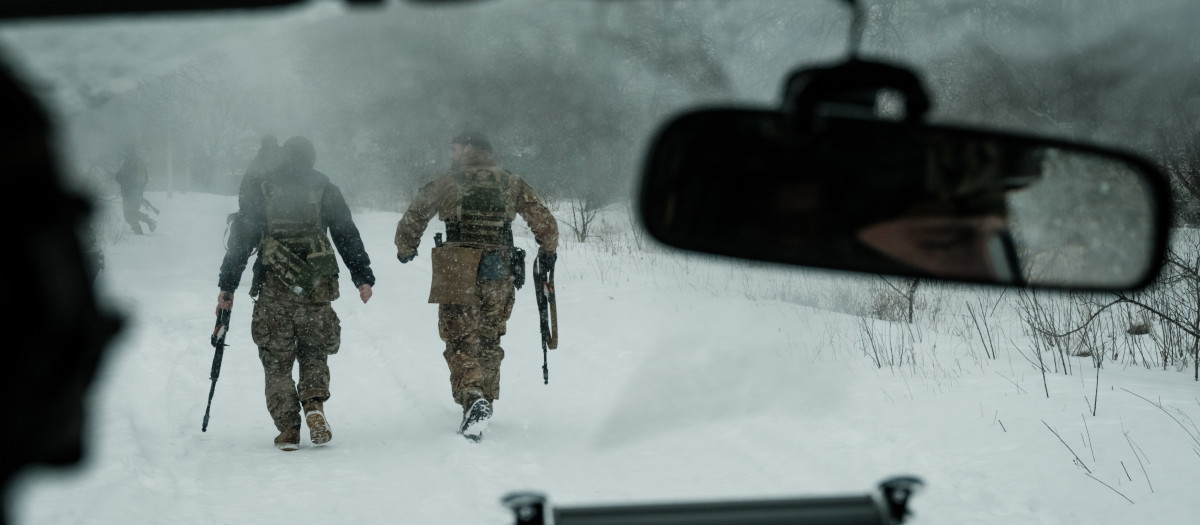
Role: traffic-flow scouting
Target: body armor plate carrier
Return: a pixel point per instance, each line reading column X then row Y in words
column 483, row 217
column 296, row 248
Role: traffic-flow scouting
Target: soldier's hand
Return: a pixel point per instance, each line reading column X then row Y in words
column 224, row 301
column 364, row 293
column 409, row 257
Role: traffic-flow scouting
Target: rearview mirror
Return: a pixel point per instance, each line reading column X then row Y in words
column 908, row 199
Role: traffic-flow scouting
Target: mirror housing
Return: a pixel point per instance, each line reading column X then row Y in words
column 826, row 183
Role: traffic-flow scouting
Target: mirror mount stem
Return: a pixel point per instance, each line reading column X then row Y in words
column 857, row 27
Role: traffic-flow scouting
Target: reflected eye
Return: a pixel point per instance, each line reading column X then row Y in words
column 948, row 237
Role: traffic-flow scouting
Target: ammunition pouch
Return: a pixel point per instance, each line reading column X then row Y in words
column 494, row 264
column 302, row 275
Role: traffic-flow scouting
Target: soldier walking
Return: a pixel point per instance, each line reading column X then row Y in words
column 267, row 158
column 285, row 213
column 474, row 270
column 132, row 178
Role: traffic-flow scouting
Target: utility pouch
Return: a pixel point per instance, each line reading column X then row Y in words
column 493, row 265
column 299, row 276
column 326, row 290
column 323, row 264
column 325, row 269
column 518, row 266
column 454, row 271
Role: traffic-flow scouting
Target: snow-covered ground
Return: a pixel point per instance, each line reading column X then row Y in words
column 678, row 378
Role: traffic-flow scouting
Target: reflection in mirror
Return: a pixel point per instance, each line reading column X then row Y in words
column 905, row 199
column 1085, row 223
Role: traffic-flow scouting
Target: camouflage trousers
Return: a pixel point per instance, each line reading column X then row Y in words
column 288, row 330
column 472, row 336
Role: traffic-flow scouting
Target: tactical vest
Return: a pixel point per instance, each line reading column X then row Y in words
column 296, row 247
column 482, row 208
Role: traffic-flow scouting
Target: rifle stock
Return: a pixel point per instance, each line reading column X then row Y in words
column 218, row 342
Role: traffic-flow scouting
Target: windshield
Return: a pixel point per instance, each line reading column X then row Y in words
column 677, row 376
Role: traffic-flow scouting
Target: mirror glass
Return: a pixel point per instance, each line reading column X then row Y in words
column 905, row 199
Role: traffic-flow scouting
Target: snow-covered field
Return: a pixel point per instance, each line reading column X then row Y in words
column 678, row 378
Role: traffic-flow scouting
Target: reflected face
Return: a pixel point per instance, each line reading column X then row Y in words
column 955, row 247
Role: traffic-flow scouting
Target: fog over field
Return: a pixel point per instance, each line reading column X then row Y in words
column 571, row 92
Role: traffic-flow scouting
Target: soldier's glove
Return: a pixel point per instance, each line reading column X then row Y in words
column 546, row 262
column 406, row 258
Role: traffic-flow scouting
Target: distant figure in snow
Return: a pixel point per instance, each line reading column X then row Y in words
column 133, row 179
column 289, row 214
column 265, row 161
column 475, row 271
column 267, row 158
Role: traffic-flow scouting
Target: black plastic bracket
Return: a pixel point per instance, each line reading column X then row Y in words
column 529, row 507
column 853, row 85
column 896, row 494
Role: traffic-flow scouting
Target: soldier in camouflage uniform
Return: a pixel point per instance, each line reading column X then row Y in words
column 474, row 269
column 285, row 214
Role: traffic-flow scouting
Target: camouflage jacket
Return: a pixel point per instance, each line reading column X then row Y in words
column 443, row 196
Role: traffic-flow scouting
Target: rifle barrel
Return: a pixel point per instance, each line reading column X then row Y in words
column 212, row 389
column 218, row 342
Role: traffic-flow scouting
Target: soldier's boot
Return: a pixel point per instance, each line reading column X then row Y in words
column 152, row 224
column 288, row 439
column 318, row 427
column 475, row 419
column 136, row 227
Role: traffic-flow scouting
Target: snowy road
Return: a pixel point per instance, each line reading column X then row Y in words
column 677, row 378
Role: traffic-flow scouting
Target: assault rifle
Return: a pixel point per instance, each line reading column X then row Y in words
column 218, row 342
column 543, row 287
